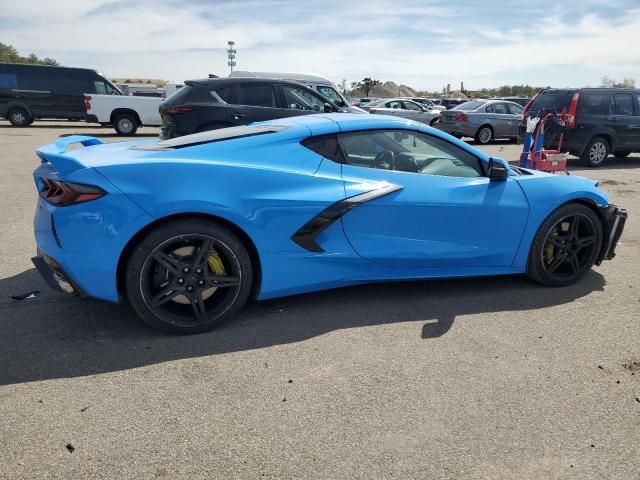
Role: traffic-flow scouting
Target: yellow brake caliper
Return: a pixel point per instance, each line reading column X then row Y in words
column 215, row 263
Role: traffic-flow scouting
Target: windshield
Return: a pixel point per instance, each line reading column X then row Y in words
column 469, row 106
column 332, row 95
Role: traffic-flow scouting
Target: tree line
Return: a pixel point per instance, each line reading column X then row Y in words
column 8, row 54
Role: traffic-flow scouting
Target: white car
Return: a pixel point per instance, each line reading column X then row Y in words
column 124, row 112
column 401, row 107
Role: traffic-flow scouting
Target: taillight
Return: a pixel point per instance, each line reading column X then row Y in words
column 528, row 105
column 87, row 102
column 462, row 117
column 179, row 109
column 573, row 107
column 66, row 193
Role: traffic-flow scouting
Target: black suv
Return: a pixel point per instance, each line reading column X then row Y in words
column 226, row 102
column 604, row 121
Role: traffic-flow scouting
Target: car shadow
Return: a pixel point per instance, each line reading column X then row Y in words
column 611, row 163
column 57, row 336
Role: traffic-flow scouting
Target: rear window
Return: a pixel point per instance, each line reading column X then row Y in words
column 469, row 106
column 256, row 95
column 594, row 104
column 211, row 136
column 553, row 100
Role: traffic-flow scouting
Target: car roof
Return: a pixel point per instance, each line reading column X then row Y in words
column 307, row 77
column 223, row 82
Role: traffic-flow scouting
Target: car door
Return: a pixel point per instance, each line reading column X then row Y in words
column 515, row 111
column 625, row 121
column 415, row 112
column 502, row 119
column 253, row 102
column 444, row 212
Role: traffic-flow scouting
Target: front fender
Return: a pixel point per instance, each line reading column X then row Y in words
column 545, row 194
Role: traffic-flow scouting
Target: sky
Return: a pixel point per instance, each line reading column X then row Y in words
column 425, row 44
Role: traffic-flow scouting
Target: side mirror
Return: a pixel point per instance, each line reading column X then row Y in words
column 328, row 108
column 497, row 170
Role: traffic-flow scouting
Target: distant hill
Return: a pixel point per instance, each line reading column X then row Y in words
column 391, row 89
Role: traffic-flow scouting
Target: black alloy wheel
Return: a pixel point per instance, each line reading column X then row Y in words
column 189, row 282
column 566, row 245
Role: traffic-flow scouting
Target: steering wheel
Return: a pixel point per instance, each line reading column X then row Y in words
column 385, row 160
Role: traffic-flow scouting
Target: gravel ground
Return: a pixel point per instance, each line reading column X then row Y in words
column 480, row 378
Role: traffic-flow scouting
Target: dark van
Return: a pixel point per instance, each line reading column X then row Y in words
column 31, row 92
column 603, row 121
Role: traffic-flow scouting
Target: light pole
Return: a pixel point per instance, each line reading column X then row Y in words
column 231, row 55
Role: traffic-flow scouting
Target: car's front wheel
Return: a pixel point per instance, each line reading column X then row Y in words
column 565, row 246
column 188, row 276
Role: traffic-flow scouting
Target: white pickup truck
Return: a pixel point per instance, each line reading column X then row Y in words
column 124, row 112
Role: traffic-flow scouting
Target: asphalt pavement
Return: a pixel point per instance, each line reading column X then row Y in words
column 492, row 378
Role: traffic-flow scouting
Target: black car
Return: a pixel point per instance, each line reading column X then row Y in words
column 31, row 92
column 449, row 103
column 226, row 102
column 602, row 121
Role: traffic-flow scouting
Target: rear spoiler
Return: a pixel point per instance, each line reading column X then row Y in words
column 54, row 153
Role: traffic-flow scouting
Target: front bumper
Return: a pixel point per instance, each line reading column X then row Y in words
column 613, row 221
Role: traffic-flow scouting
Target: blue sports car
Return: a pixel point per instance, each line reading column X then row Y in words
column 188, row 229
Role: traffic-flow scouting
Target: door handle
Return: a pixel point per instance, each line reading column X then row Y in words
column 612, row 119
column 238, row 116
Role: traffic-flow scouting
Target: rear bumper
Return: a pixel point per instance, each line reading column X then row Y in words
column 55, row 276
column 614, row 219
column 464, row 130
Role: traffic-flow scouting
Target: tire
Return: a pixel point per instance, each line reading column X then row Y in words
column 596, row 152
column 433, row 122
column 562, row 250
column 125, row 124
column 621, row 154
column 19, row 117
column 173, row 286
column 484, row 135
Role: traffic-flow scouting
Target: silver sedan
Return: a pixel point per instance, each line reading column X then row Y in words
column 401, row 107
column 484, row 120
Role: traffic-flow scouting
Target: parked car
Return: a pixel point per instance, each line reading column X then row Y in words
column 426, row 103
column 33, row 92
column 363, row 102
column 522, row 101
column 604, row 121
column 400, row 107
column 322, row 85
column 484, row 120
column 226, row 102
column 188, row 229
column 449, row 103
column 124, row 112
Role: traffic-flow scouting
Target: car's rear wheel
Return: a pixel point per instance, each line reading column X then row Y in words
column 433, row 122
column 188, row 276
column 484, row 135
column 565, row 246
column 19, row 117
column 125, row 124
column 596, row 152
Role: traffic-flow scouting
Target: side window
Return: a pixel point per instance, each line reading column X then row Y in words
column 326, row 146
column 500, row 108
column 593, row 104
column 300, row 98
column 515, row 109
column 100, row 87
column 408, row 151
column 489, row 109
column 332, row 95
column 8, row 81
column 256, row 95
column 623, row 104
column 411, row 106
column 227, row 94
